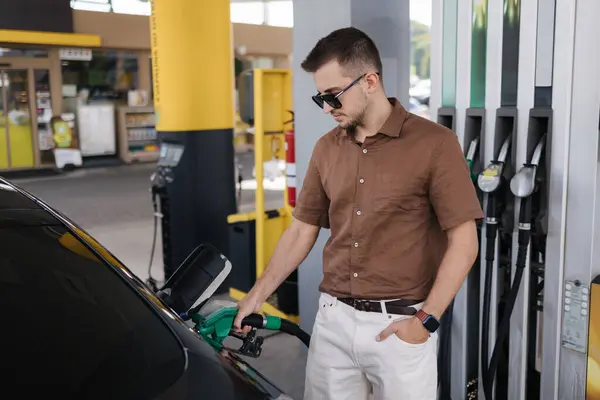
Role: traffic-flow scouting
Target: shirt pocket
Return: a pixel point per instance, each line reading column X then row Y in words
column 399, row 193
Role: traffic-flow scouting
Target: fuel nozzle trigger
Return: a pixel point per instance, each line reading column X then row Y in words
column 251, row 344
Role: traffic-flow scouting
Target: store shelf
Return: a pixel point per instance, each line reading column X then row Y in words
column 137, row 134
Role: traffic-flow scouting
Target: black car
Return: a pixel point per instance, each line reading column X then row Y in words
column 77, row 324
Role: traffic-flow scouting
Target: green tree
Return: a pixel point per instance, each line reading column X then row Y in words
column 420, row 49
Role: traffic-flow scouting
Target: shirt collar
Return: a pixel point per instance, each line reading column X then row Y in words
column 393, row 125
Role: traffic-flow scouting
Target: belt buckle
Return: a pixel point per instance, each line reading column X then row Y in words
column 362, row 305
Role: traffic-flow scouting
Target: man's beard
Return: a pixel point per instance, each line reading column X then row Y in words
column 354, row 123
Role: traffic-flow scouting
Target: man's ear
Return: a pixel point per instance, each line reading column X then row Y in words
column 372, row 80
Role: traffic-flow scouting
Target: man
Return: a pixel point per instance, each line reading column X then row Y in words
column 395, row 190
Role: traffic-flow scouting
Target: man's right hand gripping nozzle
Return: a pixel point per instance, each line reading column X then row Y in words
column 248, row 305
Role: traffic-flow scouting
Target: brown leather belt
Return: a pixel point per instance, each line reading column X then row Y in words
column 399, row 307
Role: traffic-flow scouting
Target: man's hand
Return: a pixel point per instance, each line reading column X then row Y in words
column 246, row 306
column 410, row 330
column 293, row 247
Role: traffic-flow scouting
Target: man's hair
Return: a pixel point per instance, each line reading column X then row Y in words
column 353, row 49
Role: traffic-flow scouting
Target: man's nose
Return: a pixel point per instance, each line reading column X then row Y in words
column 327, row 108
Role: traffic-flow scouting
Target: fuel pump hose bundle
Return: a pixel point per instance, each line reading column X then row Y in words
column 522, row 185
column 524, row 236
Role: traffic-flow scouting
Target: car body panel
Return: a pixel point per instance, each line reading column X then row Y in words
column 204, row 372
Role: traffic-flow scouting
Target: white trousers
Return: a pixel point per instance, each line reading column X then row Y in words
column 345, row 362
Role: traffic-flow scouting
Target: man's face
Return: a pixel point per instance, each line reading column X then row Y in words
column 331, row 79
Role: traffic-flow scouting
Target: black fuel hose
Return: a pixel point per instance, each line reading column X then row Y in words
column 274, row 323
column 293, row 329
column 523, row 241
column 487, row 298
column 491, row 229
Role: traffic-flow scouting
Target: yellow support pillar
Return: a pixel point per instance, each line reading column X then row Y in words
column 192, row 60
column 272, row 102
column 193, row 70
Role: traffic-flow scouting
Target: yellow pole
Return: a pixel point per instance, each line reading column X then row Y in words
column 259, row 171
column 192, row 62
column 193, row 70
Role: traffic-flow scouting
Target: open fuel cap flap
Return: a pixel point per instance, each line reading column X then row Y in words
column 196, row 279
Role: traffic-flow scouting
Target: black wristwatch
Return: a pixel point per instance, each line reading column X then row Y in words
column 429, row 321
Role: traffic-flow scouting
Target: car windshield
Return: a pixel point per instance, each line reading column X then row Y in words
column 71, row 326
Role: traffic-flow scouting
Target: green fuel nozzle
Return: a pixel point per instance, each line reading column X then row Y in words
column 214, row 323
column 471, row 157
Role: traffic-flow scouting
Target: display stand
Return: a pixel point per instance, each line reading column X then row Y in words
column 137, row 134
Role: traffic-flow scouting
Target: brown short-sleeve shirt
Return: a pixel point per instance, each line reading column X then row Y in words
column 387, row 202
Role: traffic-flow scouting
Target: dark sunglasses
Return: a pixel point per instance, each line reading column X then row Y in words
column 333, row 99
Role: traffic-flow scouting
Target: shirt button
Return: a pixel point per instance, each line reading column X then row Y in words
column 355, row 244
column 365, row 151
column 362, row 180
column 355, row 275
column 358, row 212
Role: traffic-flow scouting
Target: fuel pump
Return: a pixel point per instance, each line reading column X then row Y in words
column 169, row 157
column 492, row 182
column 522, row 185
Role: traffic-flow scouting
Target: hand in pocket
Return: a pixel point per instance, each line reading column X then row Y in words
column 409, row 330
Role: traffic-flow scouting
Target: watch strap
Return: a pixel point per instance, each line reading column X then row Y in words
column 429, row 321
column 422, row 315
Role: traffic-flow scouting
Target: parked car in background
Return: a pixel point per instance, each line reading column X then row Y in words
column 417, row 108
column 421, row 91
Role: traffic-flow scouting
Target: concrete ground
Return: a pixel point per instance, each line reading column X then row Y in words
column 114, row 206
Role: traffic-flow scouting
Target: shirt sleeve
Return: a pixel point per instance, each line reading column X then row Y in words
column 452, row 192
column 312, row 205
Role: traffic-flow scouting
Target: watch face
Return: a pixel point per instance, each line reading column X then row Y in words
column 431, row 324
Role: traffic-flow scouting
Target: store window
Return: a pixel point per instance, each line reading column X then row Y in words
column 259, row 12
column 248, row 12
column 109, row 75
column 91, row 5
column 137, row 7
column 280, row 13
column 23, row 52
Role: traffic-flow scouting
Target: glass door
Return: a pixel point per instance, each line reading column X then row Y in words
column 43, row 98
column 4, row 146
column 18, row 119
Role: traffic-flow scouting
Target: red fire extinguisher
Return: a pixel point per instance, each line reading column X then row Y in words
column 290, row 163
